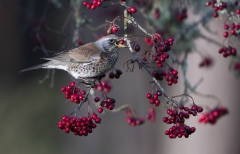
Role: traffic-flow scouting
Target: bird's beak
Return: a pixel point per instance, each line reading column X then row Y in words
column 119, row 43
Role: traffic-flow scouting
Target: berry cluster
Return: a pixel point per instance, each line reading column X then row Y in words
column 232, row 28
column 151, row 115
column 220, row 5
column 74, row 94
column 179, row 131
column 79, row 126
column 115, row 75
column 228, row 51
column 163, row 45
column 216, row 7
column 133, row 120
column 212, row 116
column 206, row 62
column 108, row 103
column 171, row 76
column 103, row 86
column 159, row 74
column 182, row 15
column 93, row 4
column 159, row 58
column 178, row 119
column 153, row 98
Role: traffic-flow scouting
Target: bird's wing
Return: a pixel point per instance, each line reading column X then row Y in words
column 83, row 54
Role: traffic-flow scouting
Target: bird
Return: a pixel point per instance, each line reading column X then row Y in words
column 88, row 61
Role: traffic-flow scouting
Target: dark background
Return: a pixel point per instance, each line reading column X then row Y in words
column 29, row 111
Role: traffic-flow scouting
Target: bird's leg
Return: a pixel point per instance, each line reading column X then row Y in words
column 89, row 82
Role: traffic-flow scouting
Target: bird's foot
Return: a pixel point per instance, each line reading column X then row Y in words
column 89, row 82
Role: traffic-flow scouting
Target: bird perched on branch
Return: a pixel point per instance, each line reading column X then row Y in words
column 88, row 61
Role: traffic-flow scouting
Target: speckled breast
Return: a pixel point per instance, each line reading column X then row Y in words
column 82, row 70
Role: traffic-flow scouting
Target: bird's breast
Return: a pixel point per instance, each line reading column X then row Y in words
column 93, row 69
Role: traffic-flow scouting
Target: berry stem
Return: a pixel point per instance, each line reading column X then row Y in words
column 128, row 41
column 184, row 95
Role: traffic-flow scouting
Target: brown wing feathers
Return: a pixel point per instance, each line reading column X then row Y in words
column 82, row 54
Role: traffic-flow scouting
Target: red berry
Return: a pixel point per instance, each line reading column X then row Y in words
column 215, row 14
column 194, row 108
column 193, row 129
column 225, row 34
column 237, row 27
column 67, row 130
column 165, row 55
column 132, row 10
column 99, row 3
column 72, row 84
column 234, row 51
column 238, row 11
column 149, row 95
column 85, row 3
column 175, row 72
column 169, row 83
column 88, row 5
column 157, row 102
column 93, row 7
column 121, row 41
column 224, row 5
column 232, row 25
column 225, row 26
column 100, row 110
column 151, row 101
column 116, row 76
column 157, row 13
column 199, row 109
column 94, row 1
column 96, row 99
column 83, row 92
column 233, row 32
column 114, row 29
column 165, row 119
column 63, row 89
column 65, row 118
column 181, row 107
column 98, row 120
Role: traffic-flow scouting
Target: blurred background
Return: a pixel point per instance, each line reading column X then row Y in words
column 30, row 110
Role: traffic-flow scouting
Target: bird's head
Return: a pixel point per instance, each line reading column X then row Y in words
column 109, row 43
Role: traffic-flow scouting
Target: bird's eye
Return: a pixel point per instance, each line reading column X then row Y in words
column 112, row 41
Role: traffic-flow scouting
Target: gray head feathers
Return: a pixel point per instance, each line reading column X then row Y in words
column 107, row 43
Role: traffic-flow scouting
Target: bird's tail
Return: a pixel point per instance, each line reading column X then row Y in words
column 34, row 67
column 50, row 65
